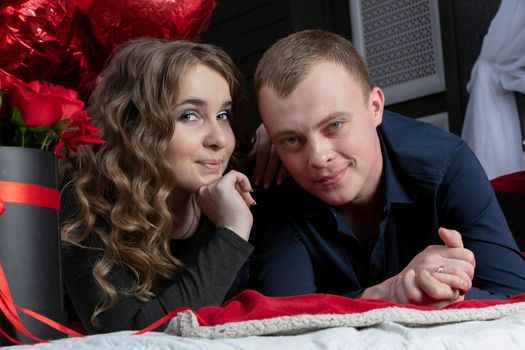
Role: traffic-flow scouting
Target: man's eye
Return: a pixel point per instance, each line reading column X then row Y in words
column 290, row 140
column 335, row 125
column 188, row 116
column 224, row 116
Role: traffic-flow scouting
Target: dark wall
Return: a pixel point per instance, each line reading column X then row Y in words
column 246, row 28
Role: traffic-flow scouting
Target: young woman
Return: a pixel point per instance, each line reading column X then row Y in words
column 155, row 220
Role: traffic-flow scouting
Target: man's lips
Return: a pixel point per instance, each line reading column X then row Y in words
column 331, row 179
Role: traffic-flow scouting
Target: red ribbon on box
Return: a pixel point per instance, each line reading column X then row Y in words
column 9, row 309
column 22, row 193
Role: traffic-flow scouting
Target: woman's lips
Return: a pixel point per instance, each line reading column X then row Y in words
column 213, row 165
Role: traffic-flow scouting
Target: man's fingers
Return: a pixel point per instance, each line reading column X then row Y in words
column 460, row 282
column 399, row 291
column 412, row 291
column 451, row 238
column 434, row 288
column 458, row 267
column 460, row 258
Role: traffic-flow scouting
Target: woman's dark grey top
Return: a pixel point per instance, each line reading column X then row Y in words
column 213, row 258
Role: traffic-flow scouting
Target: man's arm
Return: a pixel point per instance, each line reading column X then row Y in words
column 467, row 203
column 281, row 264
column 438, row 276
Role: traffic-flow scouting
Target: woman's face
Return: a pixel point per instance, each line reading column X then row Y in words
column 203, row 139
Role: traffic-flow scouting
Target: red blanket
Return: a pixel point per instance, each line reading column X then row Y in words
column 251, row 313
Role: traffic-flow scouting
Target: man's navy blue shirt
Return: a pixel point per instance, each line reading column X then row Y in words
column 431, row 179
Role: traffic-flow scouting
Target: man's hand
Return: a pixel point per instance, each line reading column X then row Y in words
column 438, row 276
column 267, row 162
column 227, row 201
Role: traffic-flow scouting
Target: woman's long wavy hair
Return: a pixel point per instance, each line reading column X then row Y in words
column 122, row 186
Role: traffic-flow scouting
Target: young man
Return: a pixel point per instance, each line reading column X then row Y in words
column 386, row 207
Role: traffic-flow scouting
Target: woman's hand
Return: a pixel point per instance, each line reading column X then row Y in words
column 227, row 201
column 267, row 162
column 438, row 276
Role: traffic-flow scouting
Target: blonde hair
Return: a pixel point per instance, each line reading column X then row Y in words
column 288, row 61
column 122, row 186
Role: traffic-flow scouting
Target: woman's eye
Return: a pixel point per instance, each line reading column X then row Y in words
column 188, row 116
column 224, row 116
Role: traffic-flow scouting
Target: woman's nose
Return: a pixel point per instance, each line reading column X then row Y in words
column 217, row 135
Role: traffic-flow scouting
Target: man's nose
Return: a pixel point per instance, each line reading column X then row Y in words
column 321, row 153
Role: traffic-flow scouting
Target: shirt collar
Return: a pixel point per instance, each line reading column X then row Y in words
column 394, row 189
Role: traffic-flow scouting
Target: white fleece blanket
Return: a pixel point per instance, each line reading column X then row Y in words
column 506, row 333
column 317, row 321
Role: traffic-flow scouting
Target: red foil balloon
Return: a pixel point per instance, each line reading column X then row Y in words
column 116, row 21
column 34, row 37
column 66, row 42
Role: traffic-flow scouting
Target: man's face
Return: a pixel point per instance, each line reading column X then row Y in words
column 325, row 134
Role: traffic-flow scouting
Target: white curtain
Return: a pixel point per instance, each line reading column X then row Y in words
column 491, row 126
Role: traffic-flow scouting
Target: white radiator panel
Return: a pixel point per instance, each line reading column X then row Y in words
column 401, row 42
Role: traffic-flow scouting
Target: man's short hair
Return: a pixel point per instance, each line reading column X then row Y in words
column 286, row 63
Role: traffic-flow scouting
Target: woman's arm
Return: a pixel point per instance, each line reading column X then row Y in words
column 204, row 282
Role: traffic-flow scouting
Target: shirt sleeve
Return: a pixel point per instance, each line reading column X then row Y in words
column 281, row 264
column 470, row 206
column 205, row 282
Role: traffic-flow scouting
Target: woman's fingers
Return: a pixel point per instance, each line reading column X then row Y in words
column 226, row 203
column 245, row 192
column 261, row 152
column 268, row 165
column 271, row 167
column 283, row 173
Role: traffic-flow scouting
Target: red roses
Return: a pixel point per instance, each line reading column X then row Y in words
column 42, row 115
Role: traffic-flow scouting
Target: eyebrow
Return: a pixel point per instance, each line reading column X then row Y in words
column 332, row 116
column 199, row 102
column 282, row 133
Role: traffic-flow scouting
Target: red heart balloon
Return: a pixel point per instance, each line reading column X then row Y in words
column 34, row 37
column 66, row 42
column 114, row 22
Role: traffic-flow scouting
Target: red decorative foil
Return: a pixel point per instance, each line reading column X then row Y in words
column 114, row 22
column 34, row 37
column 67, row 42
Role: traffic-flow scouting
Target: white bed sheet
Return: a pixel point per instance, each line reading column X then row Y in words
column 506, row 333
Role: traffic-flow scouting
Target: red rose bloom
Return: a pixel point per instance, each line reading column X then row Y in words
column 48, row 116
column 41, row 104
